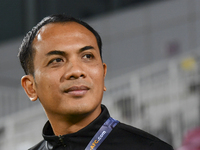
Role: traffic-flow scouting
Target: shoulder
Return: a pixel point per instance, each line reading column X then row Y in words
column 39, row 146
column 134, row 137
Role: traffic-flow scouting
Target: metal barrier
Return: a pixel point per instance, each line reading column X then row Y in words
column 162, row 99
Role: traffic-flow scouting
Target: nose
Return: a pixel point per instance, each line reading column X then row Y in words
column 74, row 70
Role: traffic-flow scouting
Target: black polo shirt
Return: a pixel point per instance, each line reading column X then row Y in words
column 122, row 137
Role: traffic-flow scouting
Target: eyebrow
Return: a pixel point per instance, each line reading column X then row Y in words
column 62, row 53
column 86, row 48
column 56, row 52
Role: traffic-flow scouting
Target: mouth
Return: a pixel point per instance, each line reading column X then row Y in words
column 77, row 91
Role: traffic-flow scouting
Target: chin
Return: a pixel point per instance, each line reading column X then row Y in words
column 81, row 109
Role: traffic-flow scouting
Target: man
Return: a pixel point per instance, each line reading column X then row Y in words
column 62, row 59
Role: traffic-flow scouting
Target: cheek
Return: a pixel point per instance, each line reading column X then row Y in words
column 45, row 80
column 97, row 74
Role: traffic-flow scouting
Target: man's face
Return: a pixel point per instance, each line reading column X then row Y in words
column 68, row 70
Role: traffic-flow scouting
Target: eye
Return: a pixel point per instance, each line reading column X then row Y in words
column 56, row 60
column 88, row 56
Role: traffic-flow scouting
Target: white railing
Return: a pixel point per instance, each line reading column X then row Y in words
column 159, row 98
column 12, row 100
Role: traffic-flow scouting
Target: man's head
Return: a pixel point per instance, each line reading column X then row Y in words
column 26, row 50
column 68, row 70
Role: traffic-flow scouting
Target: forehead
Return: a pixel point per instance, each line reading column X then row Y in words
column 69, row 37
column 67, row 29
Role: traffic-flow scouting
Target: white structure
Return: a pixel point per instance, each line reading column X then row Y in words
column 163, row 98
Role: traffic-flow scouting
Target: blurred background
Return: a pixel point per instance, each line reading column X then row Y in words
column 151, row 47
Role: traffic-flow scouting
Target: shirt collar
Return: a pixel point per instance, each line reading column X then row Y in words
column 81, row 137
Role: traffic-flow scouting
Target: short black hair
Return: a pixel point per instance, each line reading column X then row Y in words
column 26, row 51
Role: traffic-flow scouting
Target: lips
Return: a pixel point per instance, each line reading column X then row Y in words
column 77, row 90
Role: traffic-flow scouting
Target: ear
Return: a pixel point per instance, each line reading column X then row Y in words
column 28, row 84
column 104, row 74
column 105, row 70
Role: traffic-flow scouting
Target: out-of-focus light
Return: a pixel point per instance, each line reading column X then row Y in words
column 188, row 64
column 191, row 140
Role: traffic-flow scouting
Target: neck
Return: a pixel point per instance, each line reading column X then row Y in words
column 72, row 123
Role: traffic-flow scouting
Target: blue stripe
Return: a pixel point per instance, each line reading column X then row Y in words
column 102, row 133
